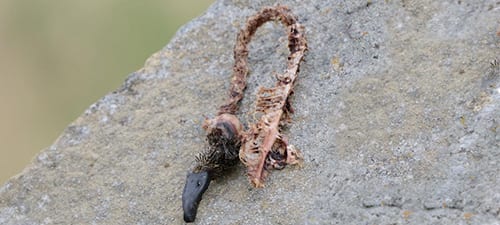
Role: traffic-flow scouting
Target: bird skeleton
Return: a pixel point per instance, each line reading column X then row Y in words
column 262, row 147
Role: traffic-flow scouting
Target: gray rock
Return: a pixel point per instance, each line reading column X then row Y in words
column 397, row 112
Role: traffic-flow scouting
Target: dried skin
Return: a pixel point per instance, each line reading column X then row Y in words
column 223, row 136
column 240, row 69
column 264, row 147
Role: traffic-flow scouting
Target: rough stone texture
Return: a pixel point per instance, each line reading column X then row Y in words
column 397, row 113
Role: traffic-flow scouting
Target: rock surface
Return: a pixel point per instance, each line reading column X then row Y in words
column 397, row 112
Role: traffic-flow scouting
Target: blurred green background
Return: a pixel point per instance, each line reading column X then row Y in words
column 57, row 57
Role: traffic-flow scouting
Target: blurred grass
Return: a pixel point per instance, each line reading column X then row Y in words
column 59, row 56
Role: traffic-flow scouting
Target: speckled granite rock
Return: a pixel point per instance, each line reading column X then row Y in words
column 397, row 113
